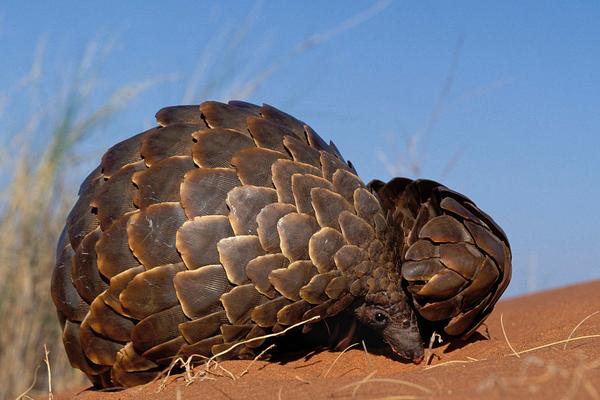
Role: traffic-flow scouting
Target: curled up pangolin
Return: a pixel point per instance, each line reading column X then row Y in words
column 228, row 222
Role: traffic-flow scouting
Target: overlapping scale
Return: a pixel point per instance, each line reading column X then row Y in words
column 302, row 186
column 253, row 165
column 151, row 234
column 180, row 115
column 245, row 203
column 267, row 134
column 84, row 268
column 282, row 171
column 112, row 249
column 258, row 271
column 116, row 196
column 302, row 152
column 328, row 206
column 66, row 299
column 214, row 148
column 151, row 291
column 199, row 291
column 196, row 240
column 204, row 190
column 278, row 117
column 157, row 328
column 172, row 140
column 235, row 252
column 160, row 183
column 267, row 220
column 221, row 115
column 295, row 230
column 107, row 322
column 289, row 280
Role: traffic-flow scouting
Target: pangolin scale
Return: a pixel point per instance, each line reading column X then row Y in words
column 227, row 222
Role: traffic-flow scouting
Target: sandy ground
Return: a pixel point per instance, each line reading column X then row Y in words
column 481, row 368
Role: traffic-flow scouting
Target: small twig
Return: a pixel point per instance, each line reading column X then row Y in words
column 450, row 362
column 506, row 337
column 338, row 357
column 187, row 363
column 47, row 361
column 25, row 393
column 358, row 384
column 578, row 325
column 228, row 372
column 244, row 372
column 554, row 344
column 368, row 379
column 367, row 358
column 302, row 380
column 270, row 335
column 430, row 353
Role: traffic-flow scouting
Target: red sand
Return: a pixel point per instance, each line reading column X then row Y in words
column 479, row 369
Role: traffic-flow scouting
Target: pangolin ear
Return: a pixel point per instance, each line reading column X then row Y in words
column 361, row 314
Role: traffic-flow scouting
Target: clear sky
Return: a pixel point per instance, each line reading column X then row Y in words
column 501, row 98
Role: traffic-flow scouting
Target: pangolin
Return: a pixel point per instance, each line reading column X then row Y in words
column 228, row 222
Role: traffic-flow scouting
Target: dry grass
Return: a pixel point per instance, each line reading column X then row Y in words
column 209, row 365
column 34, row 198
column 370, row 378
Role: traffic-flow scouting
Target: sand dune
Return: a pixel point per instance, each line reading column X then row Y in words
column 481, row 368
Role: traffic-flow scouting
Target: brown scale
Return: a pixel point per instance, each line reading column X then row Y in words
column 107, row 322
column 180, row 115
column 121, row 154
column 219, row 115
column 157, row 328
column 280, row 118
column 199, row 291
column 268, row 134
column 244, row 203
column 328, row 206
column 204, row 190
column 215, row 148
column 302, row 152
column 228, row 222
column 253, row 165
column 259, row 268
column 115, row 197
column 64, row 294
column 112, row 249
column 81, row 219
column 151, row 291
column 197, row 239
column 118, row 283
column 160, row 183
column 84, row 269
column 72, row 342
column 282, row 171
column 151, row 234
column 302, row 186
column 267, row 220
column 169, row 141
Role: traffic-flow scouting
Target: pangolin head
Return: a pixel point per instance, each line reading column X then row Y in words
column 392, row 316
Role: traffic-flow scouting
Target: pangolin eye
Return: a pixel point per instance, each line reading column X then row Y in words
column 380, row 317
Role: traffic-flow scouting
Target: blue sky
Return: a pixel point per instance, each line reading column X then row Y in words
column 503, row 98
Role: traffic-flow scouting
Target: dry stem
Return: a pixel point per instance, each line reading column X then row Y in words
column 578, row 325
column 506, row 337
column 338, row 357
